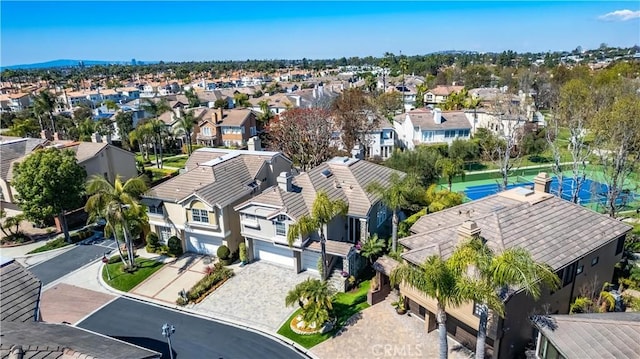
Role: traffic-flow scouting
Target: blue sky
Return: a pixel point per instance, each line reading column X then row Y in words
column 215, row 30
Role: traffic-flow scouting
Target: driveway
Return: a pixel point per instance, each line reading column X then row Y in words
column 254, row 296
column 165, row 284
column 379, row 332
column 68, row 303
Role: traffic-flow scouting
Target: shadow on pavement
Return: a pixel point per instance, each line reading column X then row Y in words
column 151, row 344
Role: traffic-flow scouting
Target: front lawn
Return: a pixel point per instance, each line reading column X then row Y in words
column 54, row 244
column 178, row 162
column 345, row 305
column 124, row 281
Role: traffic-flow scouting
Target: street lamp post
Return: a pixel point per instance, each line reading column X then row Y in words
column 105, row 260
column 167, row 330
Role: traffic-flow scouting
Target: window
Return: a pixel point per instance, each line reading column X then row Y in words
column 250, row 220
column 382, row 215
column 569, row 274
column 579, row 270
column 156, row 209
column 449, row 133
column 280, row 228
column 427, row 136
column 206, row 131
column 477, row 309
column 164, row 233
column 253, row 130
column 595, row 261
column 463, row 133
column 620, row 245
column 200, row 215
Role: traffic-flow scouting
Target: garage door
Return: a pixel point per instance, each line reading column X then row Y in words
column 310, row 261
column 271, row 253
column 202, row 244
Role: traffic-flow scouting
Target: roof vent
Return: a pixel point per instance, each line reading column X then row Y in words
column 327, row 173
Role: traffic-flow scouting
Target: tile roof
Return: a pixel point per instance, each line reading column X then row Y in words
column 235, row 117
column 553, row 230
column 19, row 294
column 45, row 340
column 14, row 148
column 332, row 247
column 424, row 119
column 203, row 155
column 595, row 335
column 445, row 90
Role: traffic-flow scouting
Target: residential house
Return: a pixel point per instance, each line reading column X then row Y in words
column 265, row 218
column 100, row 159
column 381, row 141
column 588, row 336
column 14, row 101
column 580, row 245
column 439, row 94
column 234, row 127
column 24, row 335
column 427, row 126
column 197, row 206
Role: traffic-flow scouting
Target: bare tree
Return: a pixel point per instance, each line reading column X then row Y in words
column 505, row 152
column 355, row 117
column 303, row 135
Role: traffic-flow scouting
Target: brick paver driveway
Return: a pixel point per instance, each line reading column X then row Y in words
column 379, row 332
column 254, row 296
column 69, row 303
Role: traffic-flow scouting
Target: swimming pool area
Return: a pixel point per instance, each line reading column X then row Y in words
column 590, row 191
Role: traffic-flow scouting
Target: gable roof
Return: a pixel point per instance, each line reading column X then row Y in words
column 13, row 148
column 19, row 293
column 341, row 178
column 594, row 335
column 234, row 117
column 442, row 90
column 423, row 118
column 45, row 340
column 553, row 230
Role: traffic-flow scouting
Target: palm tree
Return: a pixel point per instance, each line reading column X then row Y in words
column 185, row 126
column 437, row 279
column 314, row 298
column 44, row 104
column 143, row 134
column 372, row 247
column 115, row 203
column 160, row 132
column 322, row 212
column 449, row 168
column 266, row 115
column 155, row 109
column 396, row 196
column 488, row 274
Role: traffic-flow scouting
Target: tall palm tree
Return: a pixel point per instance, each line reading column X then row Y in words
column 322, row 212
column 186, row 124
column 143, row 134
column 437, row 279
column 486, row 274
column 449, row 168
column 115, row 203
column 44, row 104
column 314, row 298
column 160, row 132
column 372, row 247
column 396, row 196
column 155, row 109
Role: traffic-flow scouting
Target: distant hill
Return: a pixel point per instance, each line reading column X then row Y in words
column 71, row 63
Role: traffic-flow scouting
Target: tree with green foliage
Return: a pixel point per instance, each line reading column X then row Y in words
column 44, row 103
column 485, row 274
column 372, row 247
column 186, row 123
column 322, row 212
column 450, row 168
column 438, row 279
column 421, row 162
column 155, row 109
column 241, row 100
column 437, row 200
column 395, row 195
column 314, row 297
column 49, row 182
column 116, row 203
column 124, row 123
column 192, row 97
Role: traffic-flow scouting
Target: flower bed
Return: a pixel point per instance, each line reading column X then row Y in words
column 298, row 326
column 206, row 285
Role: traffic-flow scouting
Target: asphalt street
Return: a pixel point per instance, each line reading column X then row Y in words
column 65, row 263
column 139, row 323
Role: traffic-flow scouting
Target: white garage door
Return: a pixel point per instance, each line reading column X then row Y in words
column 199, row 243
column 271, row 253
column 310, row 261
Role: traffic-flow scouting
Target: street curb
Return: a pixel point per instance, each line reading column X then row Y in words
column 61, row 279
column 274, row 336
column 63, row 249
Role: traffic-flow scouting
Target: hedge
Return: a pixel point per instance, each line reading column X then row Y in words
column 207, row 283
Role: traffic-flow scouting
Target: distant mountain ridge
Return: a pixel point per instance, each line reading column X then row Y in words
column 71, row 63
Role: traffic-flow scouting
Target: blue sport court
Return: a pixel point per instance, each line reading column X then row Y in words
column 590, row 192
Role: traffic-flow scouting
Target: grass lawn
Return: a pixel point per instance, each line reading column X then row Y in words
column 124, row 281
column 158, row 173
column 178, row 162
column 54, row 244
column 345, row 305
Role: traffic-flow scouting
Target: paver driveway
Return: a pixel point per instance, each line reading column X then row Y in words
column 69, row 303
column 379, row 332
column 254, row 296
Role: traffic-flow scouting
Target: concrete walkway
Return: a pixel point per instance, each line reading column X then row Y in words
column 165, row 284
column 255, row 296
column 379, row 332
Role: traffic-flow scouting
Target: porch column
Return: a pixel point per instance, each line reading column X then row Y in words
column 250, row 255
column 364, row 230
column 430, row 323
column 297, row 261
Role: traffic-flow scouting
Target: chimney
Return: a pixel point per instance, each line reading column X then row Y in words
column 437, row 116
column 542, row 182
column 284, row 181
column 254, row 144
column 468, row 229
column 220, row 114
column 16, row 352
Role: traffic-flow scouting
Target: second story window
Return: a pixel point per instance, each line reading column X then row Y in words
column 200, row 215
column 156, row 209
column 281, row 229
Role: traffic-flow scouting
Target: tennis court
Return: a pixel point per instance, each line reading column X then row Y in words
column 590, row 191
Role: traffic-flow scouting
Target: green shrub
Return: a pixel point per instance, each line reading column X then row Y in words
column 174, row 246
column 153, row 242
column 223, row 252
column 243, row 252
